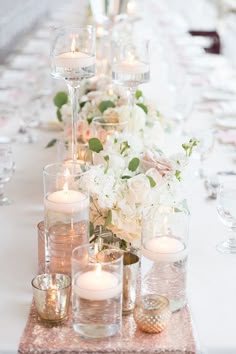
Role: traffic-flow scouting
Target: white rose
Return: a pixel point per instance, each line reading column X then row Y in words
column 138, row 189
column 136, row 118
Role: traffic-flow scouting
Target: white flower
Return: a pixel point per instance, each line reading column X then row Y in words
column 139, row 188
column 136, row 117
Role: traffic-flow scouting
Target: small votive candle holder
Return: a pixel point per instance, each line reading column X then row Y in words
column 52, row 297
column 152, row 313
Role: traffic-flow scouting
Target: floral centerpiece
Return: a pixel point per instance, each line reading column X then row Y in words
column 99, row 99
column 126, row 178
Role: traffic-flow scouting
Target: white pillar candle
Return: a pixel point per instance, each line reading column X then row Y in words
column 97, row 285
column 66, row 201
column 164, row 249
column 131, row 67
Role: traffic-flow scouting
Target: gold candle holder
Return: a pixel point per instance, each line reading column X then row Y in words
column 152, row 313
column 52, row 297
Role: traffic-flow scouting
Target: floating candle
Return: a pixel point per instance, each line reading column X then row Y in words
column 164, row 249
column 97, row 285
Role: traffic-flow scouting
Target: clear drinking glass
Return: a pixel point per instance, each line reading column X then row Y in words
column 130, row 65
column 165, row 253
column 226, row 208
column 96, row 291
column 7, row 167
column 73, row 60
column 66, row 214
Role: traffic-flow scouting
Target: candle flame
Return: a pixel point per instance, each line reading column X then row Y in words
column 98, row 270
column 73, row 45
column 65, row 188
column 131, row 57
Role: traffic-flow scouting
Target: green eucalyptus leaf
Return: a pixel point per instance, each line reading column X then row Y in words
column 138, row 94
column 59, row 115
column 95, row 145
column 51, row 143
column 125, row 177
column 144, row 108
column 105, row 105
column 60, row 99
column 91, row 228
column 151, row 181
column 108, row 218
column 133, row 165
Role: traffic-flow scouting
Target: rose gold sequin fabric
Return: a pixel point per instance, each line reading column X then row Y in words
column 177, row 338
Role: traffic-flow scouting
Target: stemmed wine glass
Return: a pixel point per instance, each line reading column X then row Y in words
column 7, row 166
column 226, row 208
column 73, row 60
column 206, row 139
column 130, row 66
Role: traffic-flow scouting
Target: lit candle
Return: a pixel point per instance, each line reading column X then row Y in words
column 66, row 201
column 131, row 66
column 131, row 7
column 74, row 59
column 164, row 249
column 100, row 32
column 97, row 285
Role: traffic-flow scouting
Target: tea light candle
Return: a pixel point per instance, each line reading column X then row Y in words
column 164, row 249
column 66, row 201
column 131, row 67
column 97, row 285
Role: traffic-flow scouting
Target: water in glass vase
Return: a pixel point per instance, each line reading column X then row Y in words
column 165, row 274
column 74, row 68
column 96, row 315
column 130, row 75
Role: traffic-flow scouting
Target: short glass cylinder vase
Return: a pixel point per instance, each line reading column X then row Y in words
column 66, row 214
column 165, row 253
column 96, row 292
column 104, row 129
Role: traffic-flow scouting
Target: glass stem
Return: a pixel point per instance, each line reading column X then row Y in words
column 1, row 191
column 131, row 99
column 73, row 94
column 232, row 238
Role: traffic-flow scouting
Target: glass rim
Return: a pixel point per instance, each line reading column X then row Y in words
column 66, row 276
column 140, row 302
column 183, row 210
column 73, row 26
column 96, row 261
column 96, row 121
column 61, row 164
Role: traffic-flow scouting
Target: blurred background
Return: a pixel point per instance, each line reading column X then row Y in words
column 214, row 17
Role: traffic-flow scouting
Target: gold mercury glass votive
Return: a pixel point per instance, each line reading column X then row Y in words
column 52, row 297
column 152, row 313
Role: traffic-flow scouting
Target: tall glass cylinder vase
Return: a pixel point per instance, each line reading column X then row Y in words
column 66, row 214
column 73, row 60
column 165, row 254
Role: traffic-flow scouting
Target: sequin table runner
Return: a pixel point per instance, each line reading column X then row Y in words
column 177, row 338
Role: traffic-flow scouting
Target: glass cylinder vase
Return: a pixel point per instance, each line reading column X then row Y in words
column 66, row 214
column 96, row 292
column 165, row 253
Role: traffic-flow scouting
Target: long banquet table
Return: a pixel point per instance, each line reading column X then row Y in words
column 211, row 275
